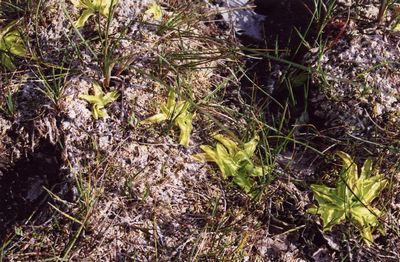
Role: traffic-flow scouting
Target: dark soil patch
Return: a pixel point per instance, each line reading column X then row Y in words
column 22, row 184
column 285, row 22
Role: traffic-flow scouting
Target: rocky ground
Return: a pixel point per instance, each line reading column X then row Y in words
column 77, row 188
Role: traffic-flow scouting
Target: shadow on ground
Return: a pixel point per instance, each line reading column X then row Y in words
column 22, row 184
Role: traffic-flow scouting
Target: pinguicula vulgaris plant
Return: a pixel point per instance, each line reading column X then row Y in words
column 11, row 44
column 351, row 199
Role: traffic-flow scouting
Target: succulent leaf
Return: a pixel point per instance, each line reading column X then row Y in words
column 100, row 100
column 235, row 161
column 92, row 7
column 11, row 44
column 178, row 112
column 351, row 198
